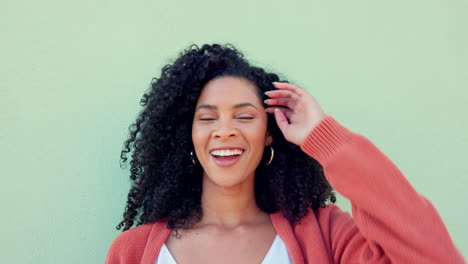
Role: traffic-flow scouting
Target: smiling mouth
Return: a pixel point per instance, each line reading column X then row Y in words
column 226, row 158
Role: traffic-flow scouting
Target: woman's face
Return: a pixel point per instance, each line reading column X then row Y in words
column 229, row 130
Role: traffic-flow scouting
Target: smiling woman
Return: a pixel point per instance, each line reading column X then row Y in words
column 239, row 167
column 230, row 136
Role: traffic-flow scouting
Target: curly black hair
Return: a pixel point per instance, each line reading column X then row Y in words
column 165, row 182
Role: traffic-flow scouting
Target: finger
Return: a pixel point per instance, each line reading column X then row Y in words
column 291, row 87
column 281, row 101
column 281, row 120
column 282, row 93
column 287, row 112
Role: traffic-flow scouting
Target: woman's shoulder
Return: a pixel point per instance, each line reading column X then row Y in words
column 324, row 223
column 326, row 217
column 132, row 235
column 330, row 211
column 130, row 243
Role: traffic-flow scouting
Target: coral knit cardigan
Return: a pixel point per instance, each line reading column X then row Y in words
column 391, row 222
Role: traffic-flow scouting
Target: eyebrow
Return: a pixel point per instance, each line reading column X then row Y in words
column 214, row 107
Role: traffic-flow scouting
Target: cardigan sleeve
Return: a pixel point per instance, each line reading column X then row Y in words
column 391, row 222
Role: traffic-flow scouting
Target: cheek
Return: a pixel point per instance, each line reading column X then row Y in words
column 199, row 136
column 257, row 133
column 256, row 139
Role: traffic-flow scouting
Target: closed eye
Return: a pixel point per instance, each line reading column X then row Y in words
column 245, row 118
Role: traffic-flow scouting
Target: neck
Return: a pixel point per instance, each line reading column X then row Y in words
column 230, row 207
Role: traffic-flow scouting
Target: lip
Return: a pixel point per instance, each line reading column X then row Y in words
column 226, row 162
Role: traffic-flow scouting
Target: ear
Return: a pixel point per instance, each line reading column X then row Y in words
column 269, row 139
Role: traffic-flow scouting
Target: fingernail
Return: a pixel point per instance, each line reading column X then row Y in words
column 274, row 83
column 266, row 92
column 276, row 110
column 265, row 101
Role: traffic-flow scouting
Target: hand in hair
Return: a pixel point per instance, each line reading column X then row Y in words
column 296, row 111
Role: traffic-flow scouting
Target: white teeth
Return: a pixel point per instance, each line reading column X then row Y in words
column 226, row 152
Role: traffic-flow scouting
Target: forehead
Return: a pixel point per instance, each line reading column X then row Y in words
column 228, row 90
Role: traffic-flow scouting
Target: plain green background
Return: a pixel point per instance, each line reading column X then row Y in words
column 73, row 73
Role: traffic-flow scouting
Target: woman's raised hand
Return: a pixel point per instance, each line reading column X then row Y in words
column 296, row 111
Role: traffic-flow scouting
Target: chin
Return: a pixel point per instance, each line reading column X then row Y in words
column 225, row 180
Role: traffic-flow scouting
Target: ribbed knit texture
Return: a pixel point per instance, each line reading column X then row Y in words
column 391, row 222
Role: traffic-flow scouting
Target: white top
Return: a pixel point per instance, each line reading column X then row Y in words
column 277, row 254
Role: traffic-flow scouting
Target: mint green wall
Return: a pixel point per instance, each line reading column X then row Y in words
column 72, row 74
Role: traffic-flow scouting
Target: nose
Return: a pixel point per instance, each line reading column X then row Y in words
column 225, row 131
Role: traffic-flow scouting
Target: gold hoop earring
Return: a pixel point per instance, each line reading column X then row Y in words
column 191, row 157
column 271, row 156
